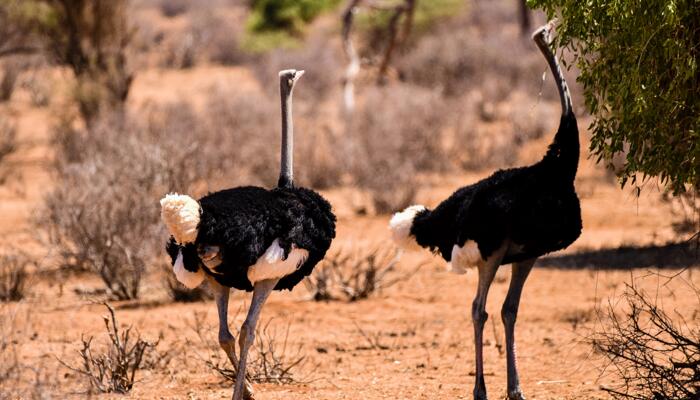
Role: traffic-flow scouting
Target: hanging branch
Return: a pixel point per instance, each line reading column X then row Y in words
column 396, row 36
column 525, row 23
column 408, row 21
column 353, row 67
column 393, row 31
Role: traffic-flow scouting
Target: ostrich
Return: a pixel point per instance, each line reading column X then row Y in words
column 250, row 238
column 513, row 216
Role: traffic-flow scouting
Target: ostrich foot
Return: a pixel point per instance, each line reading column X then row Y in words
column 516, row 395
column 229, row 347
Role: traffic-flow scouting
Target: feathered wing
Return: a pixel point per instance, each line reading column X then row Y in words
column 243, row 222
column 247, row 222
column 312, row 227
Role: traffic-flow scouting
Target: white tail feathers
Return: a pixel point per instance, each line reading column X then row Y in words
column 180, row 214
column 273, row 265
column 465, row 257
column 401, row 224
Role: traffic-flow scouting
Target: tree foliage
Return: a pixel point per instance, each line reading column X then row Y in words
column 287, row 15
column 89, row 36
column 639, row 71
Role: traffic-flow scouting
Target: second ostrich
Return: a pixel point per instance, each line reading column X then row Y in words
column 250, row 238
column 513, row 216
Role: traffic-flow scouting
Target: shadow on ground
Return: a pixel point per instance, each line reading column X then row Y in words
column 673, row 255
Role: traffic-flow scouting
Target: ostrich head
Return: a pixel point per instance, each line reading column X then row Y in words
column 288, row 78
column 181, row 215
column 401, row 224
column 544, row 33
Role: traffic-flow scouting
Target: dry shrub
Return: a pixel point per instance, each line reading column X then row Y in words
column 220, row 38
column 272, row 359
column 103, row 216
column 459, row 61
column 357, row 274
column 173, row 8
column 39, row 91
column 112, row 370
column 481, row 145
column 244, row 129
column 320, row 149
column 181, row 51
column 9, row 80
column 8, row 139
column 653, row 356
column 208, row 37
column 398, row 132
column 481, row 49
column 13, row 275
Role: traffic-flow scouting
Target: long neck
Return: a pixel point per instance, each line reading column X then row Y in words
column 564, row 96
column 287, row 154
column 563, row 153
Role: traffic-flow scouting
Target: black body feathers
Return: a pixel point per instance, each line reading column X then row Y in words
column 535, row 207
column 244, row 222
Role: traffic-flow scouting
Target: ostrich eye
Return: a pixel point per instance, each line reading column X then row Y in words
column 207, row 252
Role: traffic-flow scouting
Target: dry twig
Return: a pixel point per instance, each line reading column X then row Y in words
column 115, row 369
column 654, row 357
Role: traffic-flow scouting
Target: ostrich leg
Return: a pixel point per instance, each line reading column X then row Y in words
column 261, row 291
column 509, row 313
column 487, row 270
column 226, row 339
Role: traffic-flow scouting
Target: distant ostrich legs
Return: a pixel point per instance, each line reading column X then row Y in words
column 250, row 238
column 513, row 216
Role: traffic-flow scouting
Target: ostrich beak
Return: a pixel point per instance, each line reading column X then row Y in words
column 298, row 75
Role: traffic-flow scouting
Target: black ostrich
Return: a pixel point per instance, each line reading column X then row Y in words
column 513, row 216
column 250, row 238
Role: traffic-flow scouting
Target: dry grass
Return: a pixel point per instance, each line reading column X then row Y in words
column 10, row 367
column 356, row 274
column 653, row 355
column 272, row 359
column 18, row 378
column 8, row 139
column 13, row 275
column 112, row 370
